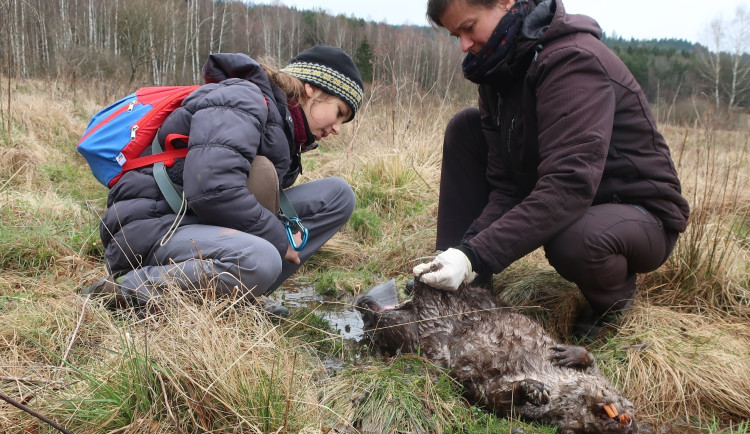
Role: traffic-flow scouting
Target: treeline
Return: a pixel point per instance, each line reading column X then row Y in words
column 139, row 42
column 166, row 41
column 672, row 71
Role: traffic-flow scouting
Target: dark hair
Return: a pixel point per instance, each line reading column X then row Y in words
column 436, row 8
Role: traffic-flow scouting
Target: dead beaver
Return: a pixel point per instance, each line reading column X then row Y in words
column 506, row 362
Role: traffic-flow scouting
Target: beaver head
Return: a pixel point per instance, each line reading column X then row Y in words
column 388, row 324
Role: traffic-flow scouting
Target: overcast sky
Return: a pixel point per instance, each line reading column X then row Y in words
column 640, row 19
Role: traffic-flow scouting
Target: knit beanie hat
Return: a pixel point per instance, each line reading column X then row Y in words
column 332, row 70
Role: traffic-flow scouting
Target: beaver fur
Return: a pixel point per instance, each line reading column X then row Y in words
column 506, row 362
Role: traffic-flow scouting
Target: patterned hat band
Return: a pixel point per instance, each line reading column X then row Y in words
column 329, row 80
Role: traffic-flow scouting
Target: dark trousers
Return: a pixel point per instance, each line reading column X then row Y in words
column 464, row 189
column 601, row 252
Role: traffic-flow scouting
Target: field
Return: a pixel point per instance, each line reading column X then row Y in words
column 682, row 353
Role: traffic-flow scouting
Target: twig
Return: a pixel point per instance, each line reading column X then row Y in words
column 34, row 413
column 424, row 180
column 166, row 402
column 289, row 390
column 27, row 380
column 10, row 69
column 75, row 332
column 7, row 181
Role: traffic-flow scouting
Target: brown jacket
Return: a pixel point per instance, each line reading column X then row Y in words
column 568, row 127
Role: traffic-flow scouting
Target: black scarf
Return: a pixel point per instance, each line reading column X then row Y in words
column 476, row 66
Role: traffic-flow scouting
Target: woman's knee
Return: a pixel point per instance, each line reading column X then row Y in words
column 343, row 200
column 566, row 255
column 460, row 129
column 257, row 268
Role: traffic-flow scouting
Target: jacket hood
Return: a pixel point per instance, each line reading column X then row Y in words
column 546, row 21
column 221, row 66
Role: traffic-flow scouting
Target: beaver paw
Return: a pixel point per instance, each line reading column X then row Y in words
column 571, row 356
column 534, row 392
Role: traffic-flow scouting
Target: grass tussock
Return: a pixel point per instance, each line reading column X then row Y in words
column 682, row 353
column 682, row 365
column 395, row 397
column 38, row 228
column 709, row 266
column 407, row 395
column 196, row 368
column 540, row 293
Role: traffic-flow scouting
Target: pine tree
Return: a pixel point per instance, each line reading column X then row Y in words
column 363, row 60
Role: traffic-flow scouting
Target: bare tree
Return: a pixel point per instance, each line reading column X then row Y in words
column 714, row 59
column 17, row 38
column 739, row 38
column 66, row 32
column 167, row 41
column 92, row 33
column 222, row 25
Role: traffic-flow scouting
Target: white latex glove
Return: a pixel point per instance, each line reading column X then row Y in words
column 456, row 269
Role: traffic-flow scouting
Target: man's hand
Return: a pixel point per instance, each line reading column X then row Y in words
column 453, row 268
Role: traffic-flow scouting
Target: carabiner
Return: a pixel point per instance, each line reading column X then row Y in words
column 294, row 225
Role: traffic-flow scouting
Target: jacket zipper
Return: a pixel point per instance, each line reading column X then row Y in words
column 498, row 116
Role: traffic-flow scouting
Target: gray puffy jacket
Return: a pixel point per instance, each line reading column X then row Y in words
column 229, row 121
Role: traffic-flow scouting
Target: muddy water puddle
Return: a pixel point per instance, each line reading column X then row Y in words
column 342, row 316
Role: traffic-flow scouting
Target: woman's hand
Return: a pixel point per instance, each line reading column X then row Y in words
column 291, row 254
column 451, row 269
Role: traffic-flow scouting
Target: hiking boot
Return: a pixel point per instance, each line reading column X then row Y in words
column 272, row 307
column 109, row 291
column 589, row 324
column 484, row 281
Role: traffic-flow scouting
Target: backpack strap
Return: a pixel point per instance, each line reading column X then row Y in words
column 286, row 206
column 175, row 197
column 168, row 190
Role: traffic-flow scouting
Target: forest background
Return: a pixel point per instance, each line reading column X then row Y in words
column 682, row 354
column 130, row 43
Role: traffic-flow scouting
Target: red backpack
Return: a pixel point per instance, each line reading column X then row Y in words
column 116, row 136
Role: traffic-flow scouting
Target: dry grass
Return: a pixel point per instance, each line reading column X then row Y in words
column 682, row 353
column 682, row 365
column 206, row 366
column 385, row 398
column 42, row 121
